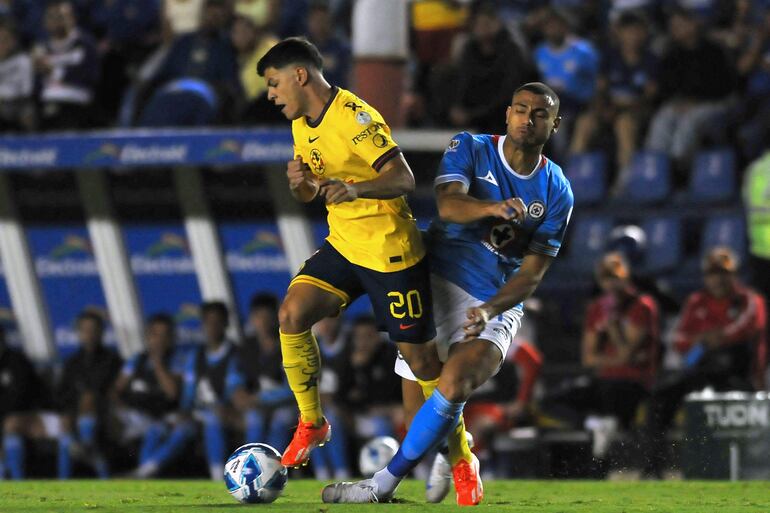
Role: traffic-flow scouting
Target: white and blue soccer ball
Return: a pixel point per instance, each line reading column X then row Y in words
column 254, row 474
column 376, row 454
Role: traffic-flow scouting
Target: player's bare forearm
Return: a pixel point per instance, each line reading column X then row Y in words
column 456, row 206
column 305, row 192
column 522, row 285
column 394, row 179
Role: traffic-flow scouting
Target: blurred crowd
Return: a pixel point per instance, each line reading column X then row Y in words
column 179, row 410
column 667, row 76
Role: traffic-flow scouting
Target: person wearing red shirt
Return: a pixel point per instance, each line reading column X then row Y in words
column 721, row 335
column 620, row 343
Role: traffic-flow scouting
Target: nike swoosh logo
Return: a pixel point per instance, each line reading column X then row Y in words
column 407, row 326
column 313, row 139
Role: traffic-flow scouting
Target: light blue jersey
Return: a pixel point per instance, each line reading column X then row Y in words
column 480, row 257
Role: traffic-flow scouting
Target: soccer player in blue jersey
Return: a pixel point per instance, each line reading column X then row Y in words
column 503, row 211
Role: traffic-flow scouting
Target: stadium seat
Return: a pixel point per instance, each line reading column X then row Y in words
column 182, row 102
column 587, row 173
column 587, row 242
column 648, row 179
column 725, row 230
column 713, row 176
column 664, row 243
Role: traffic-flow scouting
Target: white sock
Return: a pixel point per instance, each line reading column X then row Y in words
column 386, row 482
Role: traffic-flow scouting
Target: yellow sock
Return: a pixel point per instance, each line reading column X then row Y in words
column 456, row 440
column 302, row 364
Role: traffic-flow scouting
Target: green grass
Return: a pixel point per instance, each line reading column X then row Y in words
column 304, row 496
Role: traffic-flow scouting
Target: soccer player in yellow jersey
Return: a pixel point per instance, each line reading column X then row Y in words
column 345, row 154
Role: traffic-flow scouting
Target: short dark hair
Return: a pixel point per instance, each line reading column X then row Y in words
column 215, row 307
column 541, row 89
column 631, row 17
column 292, row 50
column 161, row 318
column 90, row 315
column 263, row 300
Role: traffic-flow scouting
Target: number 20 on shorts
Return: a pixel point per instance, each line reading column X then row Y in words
column 401, row 304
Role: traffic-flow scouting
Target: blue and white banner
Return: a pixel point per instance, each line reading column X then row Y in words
column 7, row 317
column 131, row 148
column 255, row 258
column 164, row 274
column 69, row 279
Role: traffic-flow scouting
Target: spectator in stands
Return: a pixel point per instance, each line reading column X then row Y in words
column 436, row 25
column 197, row 82
column 251, row 41
column 371, row 390
column 263, row 13
column 721, row 335
column 620, row 348
column 16, row 82
column 21, row 395
column 271, row 417
column 490, row 67
column 625, row 87
column 756, row 201
column 128, row 31
column 84, row 395
column 214, row 386
column 181, row 17
column 331, row 460
column 754, row 69
column 335, row 52
column 148, row 388
column 695, row 81
column 569, row 65
column 67, row 64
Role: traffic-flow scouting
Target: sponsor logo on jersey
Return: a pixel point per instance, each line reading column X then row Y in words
column 501, row 235
column 380, row 140
column 366, row 132
column 536, row 209
column 453, row 144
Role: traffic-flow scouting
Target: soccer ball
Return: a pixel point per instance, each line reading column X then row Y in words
column 376, row 454
column 253, row 474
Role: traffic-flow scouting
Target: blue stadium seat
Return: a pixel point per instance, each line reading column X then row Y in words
column 587, row 241
column 664, row 243
column 587, row 173
column 648, row 179
column 725, row 230
column 713, row 176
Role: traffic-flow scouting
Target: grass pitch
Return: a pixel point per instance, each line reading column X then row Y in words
column 303, row 496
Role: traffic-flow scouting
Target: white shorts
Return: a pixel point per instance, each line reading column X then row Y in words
column 52, row 424
column 450, row 306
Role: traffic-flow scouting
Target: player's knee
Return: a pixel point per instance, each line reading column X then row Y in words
column 456, row 387
column 292, row 317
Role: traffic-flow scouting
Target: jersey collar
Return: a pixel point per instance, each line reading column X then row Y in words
column 315, row 122
column 540, row 165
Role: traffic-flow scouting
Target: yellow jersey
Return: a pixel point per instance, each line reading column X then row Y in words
column 351, row 142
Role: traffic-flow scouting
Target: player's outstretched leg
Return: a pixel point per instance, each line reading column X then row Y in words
column 469, row 365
